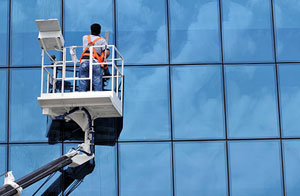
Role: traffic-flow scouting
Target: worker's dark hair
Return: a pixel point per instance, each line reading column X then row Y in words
column 95, row 29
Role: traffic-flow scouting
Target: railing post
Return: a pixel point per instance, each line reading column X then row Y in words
column 63, row 71
column 42, row 74
column 91, row 67
column 113, row 69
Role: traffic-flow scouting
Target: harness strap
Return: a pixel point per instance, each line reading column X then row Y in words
column 85, row 53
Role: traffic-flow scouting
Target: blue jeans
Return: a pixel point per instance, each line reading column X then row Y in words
column 84, row 85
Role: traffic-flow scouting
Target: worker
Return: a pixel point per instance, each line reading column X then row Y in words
column 98, row 56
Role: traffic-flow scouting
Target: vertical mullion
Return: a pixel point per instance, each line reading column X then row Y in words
column 8, row 85
column 170, row 98
column 224, row 95
column 278, row 97
column 117, row 142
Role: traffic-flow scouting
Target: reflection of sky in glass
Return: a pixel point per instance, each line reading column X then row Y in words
column 255, row 168
column 251, row 101
column 3, row 105
column 26, row 120
column 142, row 31
column 292, row 167
column 197, row 101
column 79, row 15
column 26, row 49
column 201, row 171
column 145, row 169
column 247, row 31
column 194, row 31
column 286, row 14
column 103, row 179
column 2, row 158
column 26, row 158
column 289, row 85
column 146, row 103
column 3, row 32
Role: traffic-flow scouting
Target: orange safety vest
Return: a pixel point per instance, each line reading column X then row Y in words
column 100, row 58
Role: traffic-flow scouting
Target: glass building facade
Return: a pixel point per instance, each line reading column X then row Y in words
column 212, row 91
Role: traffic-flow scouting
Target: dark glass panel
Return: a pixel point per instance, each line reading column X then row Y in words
column 194, row 31
column 255, row 168
column 145, row 169
column 197, row 102
column 146, row 103
column 251, row 101
column 200, row 168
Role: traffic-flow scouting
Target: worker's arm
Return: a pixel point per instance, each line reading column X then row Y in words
column 107, row 52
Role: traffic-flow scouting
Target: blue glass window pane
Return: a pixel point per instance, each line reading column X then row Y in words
column 26, row 158
column 291, row 167
column 2, row 158
column 247, row 31
column 146, row 103
column 26, row 120
column 3, row 32
column 251, row 101
column 3, row 105
column 26, row 49
column 287, row 29
column 194, row 31
column 255, row 168
column 142, row 31
column 197, row 172
column 289, row 85
column 103, row 179
column 145, row 169
column 80, row 15
column 197, row 102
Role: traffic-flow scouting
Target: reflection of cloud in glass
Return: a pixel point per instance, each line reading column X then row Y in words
column 25, row 31
column 291, row 166
column 289, row 86
column 247, row 31
column 201, row 171
column 3, row 104
column 194, row 31
column 25, row 158
column 103, row 179
column 26, row 120
column 151, row 172
column 197, row 102
column 142, row 31
column 3, row 159
column 3, row 32
column 251, row 98
column 79, row 19
column 286, row 16
column 146, row 106
column 255, row 168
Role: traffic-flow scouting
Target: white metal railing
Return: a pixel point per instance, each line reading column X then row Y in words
column 60, row 73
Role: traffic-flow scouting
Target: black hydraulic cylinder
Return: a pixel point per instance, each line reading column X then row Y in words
column 33, row 177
